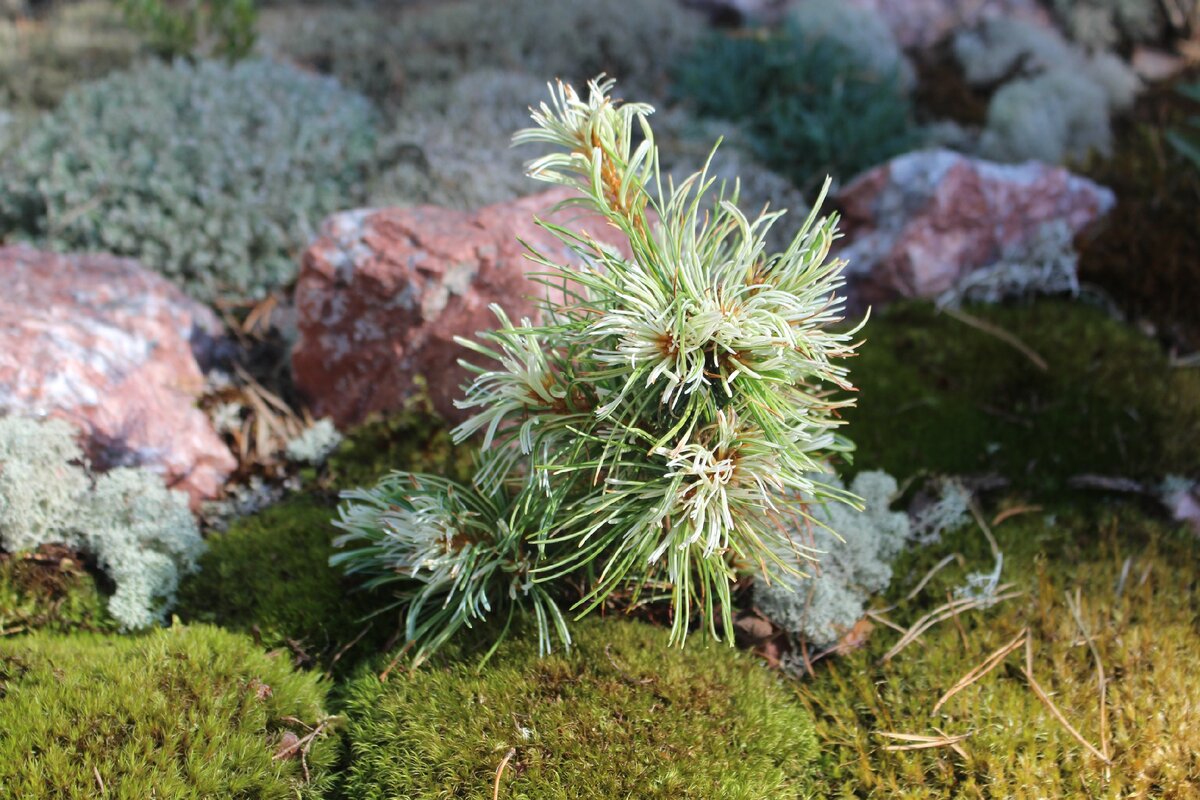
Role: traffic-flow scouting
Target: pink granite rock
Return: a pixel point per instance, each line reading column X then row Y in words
column 107, row 345
column 920, row 223
column 382, row 294
column 918, row 24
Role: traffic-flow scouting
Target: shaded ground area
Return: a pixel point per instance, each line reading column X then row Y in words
column 940, row 395
column 1144, row 256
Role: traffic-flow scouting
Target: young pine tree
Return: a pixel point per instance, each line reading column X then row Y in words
column 662, row 429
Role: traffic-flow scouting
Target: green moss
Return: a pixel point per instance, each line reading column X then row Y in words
column 1136, row 580
column 184, row 712
column 937, row 395
column 49, row 590
column 412, row 442
column 269, row 575
column 622, row 716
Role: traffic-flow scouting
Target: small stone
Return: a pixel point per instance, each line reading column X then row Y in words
column 382, row 294
column 111, row 347
column 289, row 746
column 919, row 224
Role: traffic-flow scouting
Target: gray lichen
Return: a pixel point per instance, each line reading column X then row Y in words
column 858, row 548
column 141, row 534
column 1058, row 104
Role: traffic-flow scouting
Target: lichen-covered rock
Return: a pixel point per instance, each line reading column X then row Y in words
column 110, row 347
column 921, row 223
column 382, row 294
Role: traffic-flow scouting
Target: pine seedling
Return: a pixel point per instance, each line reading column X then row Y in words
column 662, row 429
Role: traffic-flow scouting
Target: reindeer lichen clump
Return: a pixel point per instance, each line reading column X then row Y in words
column 662, row 429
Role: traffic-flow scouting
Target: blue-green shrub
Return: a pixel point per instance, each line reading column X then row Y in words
column 811, row 105
column 214, row 175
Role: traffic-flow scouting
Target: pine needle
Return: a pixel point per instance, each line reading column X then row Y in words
column 945, row 612
column 917, row 741
column 1053, row 709
column 1001, row 334
column 1073, row 603
column 991, row 662
column 512, row 751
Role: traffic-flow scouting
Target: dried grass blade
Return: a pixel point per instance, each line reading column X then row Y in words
column 945, row 612
column 1001, row 334
column 1073, row 603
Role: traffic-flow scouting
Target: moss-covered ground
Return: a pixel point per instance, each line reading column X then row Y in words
column 183, row 712
column 623, row 715
column 939, row 395
column 50, row 590
column 269, row 574
column 1132, row 582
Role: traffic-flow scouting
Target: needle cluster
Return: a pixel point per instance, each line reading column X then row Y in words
column 661, row 430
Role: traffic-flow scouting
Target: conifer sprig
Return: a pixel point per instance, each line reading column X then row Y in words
column 667, row 421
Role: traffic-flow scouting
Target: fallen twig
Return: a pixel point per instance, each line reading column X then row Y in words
column 383, row 676
column 346, row 647
column 302, row 745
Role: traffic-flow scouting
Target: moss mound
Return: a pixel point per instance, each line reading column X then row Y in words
column 184, row 712
column 936, row 394
column 269, row 575
column 1137, row 589
column 410, row 441
column 622, row 716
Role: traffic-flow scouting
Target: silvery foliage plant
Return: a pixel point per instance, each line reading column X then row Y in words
column 662, row 430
